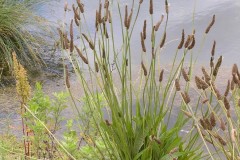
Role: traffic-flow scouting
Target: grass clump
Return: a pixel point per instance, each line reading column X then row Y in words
column 124, row 115
column 16, row 17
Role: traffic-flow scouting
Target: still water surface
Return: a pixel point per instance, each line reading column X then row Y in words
column 226, row 30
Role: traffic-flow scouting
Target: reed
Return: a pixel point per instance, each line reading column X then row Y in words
column 136, row 120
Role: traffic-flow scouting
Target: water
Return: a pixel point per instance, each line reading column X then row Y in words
column 225, row 31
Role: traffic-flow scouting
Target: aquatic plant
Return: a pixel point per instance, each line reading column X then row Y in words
column 139, row 108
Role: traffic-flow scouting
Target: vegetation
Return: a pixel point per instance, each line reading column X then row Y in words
column 127, row 116
column 15, row 34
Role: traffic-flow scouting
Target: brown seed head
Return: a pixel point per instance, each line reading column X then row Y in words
column 71, row 37
column 163, row 40
column 210, row 25
column 145, row 29
column 192, row 44
column 96, row 67
column 106, row 4
column 222, row 124
column 235, row 79
column 188, row 41
column 159, row 23
column 182, row 40
column 144, row 69
column 67, row 77
column 81, row 6
column 226, row 103
column 185, row 97
column 109, row 17
column 143, row 43
column 202, row 122
column 222, row 141
column 205, row 101
column 188, row 114
column 216, row 91
column 100, row 13
column 217, row 66
column 227, row 89
column 234, row 69
column 185, row 75
column 161, row 75
column 84, row 59
column 96, row 20
column 208, row 124
column 129, row 19
column 212, row 120
column 106, row 14
column 140, row 1
column 177, row 85
column 211, row 62
column 126, row 16
column 151, row 7
column 76, row 21
column 213, row 48
column 228, row 113
column 201, row 84
column 206, row 76
column 232, row 84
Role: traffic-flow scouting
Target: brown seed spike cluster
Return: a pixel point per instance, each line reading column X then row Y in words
column 222, row 124
column 84, row 59
column 67, row 77
column 129, row 19
column 126, row 16
column 159, row 23
column 177, row 85
column 188, row 41
column 227, row 89
column 71, row 37
column 185, row 75
column 201, row 84
column 212, row 120
column 140, row 1
column 234, row 69
column 91, row 45
column 144, row 69
column 210, row 25
column 226, row 103
column 161, row 75
column 151, row 7
column 100, row 13
column 163, row 40
column 213, row 48
column 216, row 91
column 217, row 66
column 189, row 115
column 207, row 78
column 185, row 97
column 96, row 67
column 145, row 29
column 81, row 6
column 193, row 43
column 143, row 43
column 182, row 40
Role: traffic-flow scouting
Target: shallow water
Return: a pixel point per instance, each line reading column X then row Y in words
column 225, row 31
